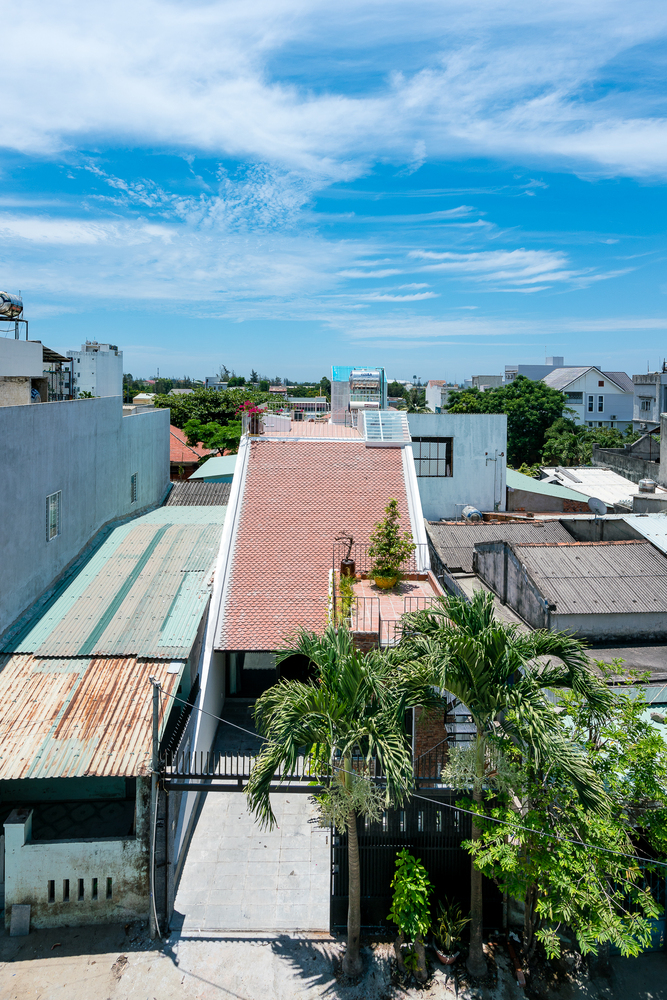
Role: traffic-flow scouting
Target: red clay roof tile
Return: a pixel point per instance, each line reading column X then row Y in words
column 298, row 496
column 180, row 452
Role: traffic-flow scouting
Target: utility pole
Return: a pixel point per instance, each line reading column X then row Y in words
column 155, row 763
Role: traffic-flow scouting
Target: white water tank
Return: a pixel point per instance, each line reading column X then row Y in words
column 646, row 486
column 471, row 513
column 11, row 306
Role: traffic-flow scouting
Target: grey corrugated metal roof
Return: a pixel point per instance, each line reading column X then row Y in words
column 78, row 717
column 199, row 494
column 453, row 541
column 559, row 378
column 143, row 593
column 598, row 577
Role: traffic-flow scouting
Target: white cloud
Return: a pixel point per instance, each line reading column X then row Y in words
column 478, row 77
column 516, row 270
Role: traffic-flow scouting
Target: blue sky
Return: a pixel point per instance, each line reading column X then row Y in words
column 440, row 187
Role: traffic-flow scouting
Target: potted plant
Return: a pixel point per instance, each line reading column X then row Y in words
column 447, row 929
column 254, row 414
column 410, row 911
column 389, row 548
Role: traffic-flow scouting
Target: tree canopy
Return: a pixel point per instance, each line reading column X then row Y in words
column 209, row 405
column 531, row 408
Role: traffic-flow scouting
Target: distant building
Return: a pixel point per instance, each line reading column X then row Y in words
column 180, row 392
column 436, row 389
column 487, row 381
column 184, row 458
column 215, row 383
column 534, row 372
column 597, row 398
column 219, row 469
column 98, row 369
column 650, row 399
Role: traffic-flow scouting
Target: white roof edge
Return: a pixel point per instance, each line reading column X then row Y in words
column 415, row 508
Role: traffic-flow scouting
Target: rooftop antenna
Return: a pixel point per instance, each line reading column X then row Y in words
column 597, row 506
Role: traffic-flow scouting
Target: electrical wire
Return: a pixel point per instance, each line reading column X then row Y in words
column 448, row 805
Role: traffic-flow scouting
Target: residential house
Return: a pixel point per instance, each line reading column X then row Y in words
column 595, row 481
column 524, row 493
column 30, row 372
column 460, row 460
column 534, row 372
column 184, row 458
column 487, row 381
column 597, row 398
column 650, row 399
column 77, row 718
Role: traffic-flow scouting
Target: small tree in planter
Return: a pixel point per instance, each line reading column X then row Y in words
column 411, row 912
column 449, row 925
column 389, row 548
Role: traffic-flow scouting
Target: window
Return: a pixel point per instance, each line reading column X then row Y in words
column 574, row 397
column 601, row 384
column 600, row 404
column 433, row 456
column 591, row 401
column 53, row 515
column 645, row 405
column 133, row 488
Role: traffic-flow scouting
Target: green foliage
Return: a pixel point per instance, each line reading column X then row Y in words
column 531, row 408
column 213, row 435
column 395, row 389
column 389, row 548
column 354, row 707
column 84, row 394
column 264, row 385
column 569, row 443
column 347, row 798
column 346, row 595
column 325, row 387
column 529, row 470
column 414, row 401
column 449, row 925
column 235, row 380
column 209, row 405
column 410, row 905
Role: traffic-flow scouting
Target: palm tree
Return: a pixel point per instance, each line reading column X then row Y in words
column 492, row 668
column 354, row 707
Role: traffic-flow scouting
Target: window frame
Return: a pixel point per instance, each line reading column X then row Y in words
column 591, row 404
column 600, row 404
column 134, row 487
column 53, row 503
column 433, row 462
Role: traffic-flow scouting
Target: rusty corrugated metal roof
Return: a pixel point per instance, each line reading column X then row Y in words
column 78, row 717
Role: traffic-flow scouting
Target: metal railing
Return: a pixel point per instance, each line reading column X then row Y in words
column 417, row 561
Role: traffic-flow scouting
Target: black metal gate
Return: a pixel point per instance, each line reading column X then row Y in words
column 432, row 832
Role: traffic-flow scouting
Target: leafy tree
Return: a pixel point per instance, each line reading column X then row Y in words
column 264, row 385
column 529, row 470
column 214, row 436
column 531, row 408
column 254, row 377
column 325, row 386
column 600, row 895
column 414, row 401
column 209, row 405
column 235, row 380
column 491, row 667
column 389, row 548
column 277, row 381
column 395, row 389
column 352, row 710
column 223, row 373
column 569, row 443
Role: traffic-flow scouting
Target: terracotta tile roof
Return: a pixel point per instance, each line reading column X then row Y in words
column 180, row 452
column 298, row 496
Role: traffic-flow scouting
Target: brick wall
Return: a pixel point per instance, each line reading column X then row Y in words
column 429, row 729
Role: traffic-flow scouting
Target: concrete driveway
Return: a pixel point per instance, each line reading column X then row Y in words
column 240, row 878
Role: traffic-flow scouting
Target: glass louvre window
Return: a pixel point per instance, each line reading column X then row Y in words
column 433, row 456
column 133, row 488
column 574, row 397
column 646, row 404
column 53, row 515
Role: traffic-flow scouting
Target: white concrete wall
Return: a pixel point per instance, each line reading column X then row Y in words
column 476, row 479
column 21, row 357
column 86, row 449
column 643, row 625
column 99, row 372
column 30, row 866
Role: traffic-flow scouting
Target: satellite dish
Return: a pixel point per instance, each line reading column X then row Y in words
column 597, row 506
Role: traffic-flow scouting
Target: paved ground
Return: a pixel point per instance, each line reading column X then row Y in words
column 240, row 878
column 116, row 963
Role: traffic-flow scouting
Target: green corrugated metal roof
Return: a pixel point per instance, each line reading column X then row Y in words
column 221, row 465
column 517, row 481
column 142, row 593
